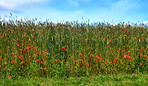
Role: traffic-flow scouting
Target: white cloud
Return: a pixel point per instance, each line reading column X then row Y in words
column 74, row 2
column 11, row 4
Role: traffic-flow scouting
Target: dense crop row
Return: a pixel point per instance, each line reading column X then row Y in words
column 29, row 49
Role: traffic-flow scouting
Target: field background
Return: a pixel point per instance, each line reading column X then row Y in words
column 48, row 50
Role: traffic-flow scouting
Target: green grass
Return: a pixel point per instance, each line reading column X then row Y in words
column 98, row 80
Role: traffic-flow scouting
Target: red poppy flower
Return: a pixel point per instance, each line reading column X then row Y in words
column 45, row 51
column 38, row 53
column 63, row 48
column 20, row 26
column 9, row 76
column 80, row 54
column 51, row 51
column 2, row 37
column 41, row 62
column 34, row 47
column 35, row 54
column 111, row 51
column 12, row 53
column 22, row 62
column 12, row 61
column 18, row 57
column 44, row 59
column 34, row 35
column 87, row 64
column 56, row 60
column 118, row 50
column 140, row 63
column 110, row 41
column 105, row 61
column 128, row 51
column 68, row 41
column 75, row 60
column 141, row 55
column 8, row 29
column 114, row 61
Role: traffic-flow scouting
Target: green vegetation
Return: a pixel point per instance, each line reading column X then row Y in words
column 48, row 50
column 105, row 80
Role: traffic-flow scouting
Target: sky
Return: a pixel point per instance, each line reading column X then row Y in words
column 77, row 10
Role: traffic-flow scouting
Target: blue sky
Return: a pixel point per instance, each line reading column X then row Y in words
column 72, row 10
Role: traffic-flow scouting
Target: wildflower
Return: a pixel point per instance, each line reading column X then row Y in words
column 68, row 41
column 114, row 61
column 20, row 26
column 12, row 61
column 128, row 51
column 141, row 55
column 75, row 60
column 63, row 48
column 34, row 35
column 2, row 37
column 145, row 56
column 129, row 58
column 91, row 55
column 38, row 53
column 69, row 55
column 15, row 52
column 97, row 56
column 35, row 54
column 22, row 62
column 18, row 44
column 41, row 62
column 23, row 40
column 25, row 33
column 142, row 49
column 9, row 76
column 34, row 47
column 44, row 59
column 45, row 51
column 110, row 41
column 24, row 50
column 118, row 50
column 144, row 59
column 140, row 63
column 133, row 58
column 105, row 61
column 71, row 27
column 124, row 51
column 21, row 49
column 12, row 53
column 80, row 54
column 111, row 51
column 18, row 57
column 51, row 51
column 84, row 39
column 8, row 29
column 56, row 60
column 87, row 64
